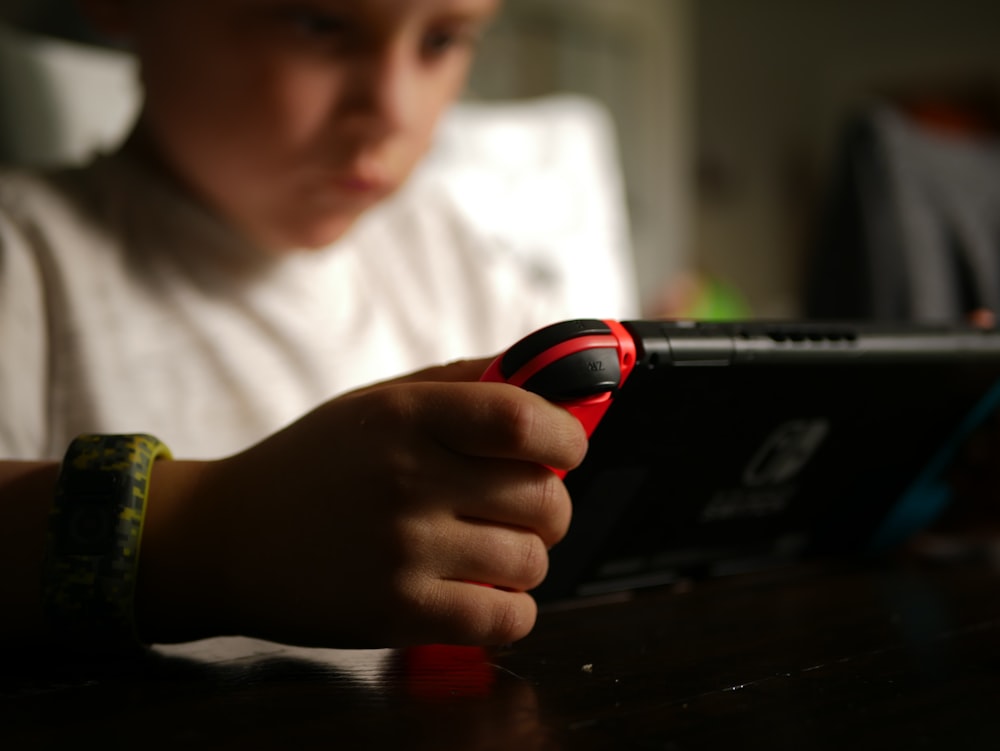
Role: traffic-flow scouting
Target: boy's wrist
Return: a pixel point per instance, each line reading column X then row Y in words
column 27, row 490
column 180, row 594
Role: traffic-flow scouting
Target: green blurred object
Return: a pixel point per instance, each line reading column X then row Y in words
column 717, row 301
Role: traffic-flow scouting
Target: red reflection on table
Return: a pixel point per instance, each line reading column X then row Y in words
column 443, row 671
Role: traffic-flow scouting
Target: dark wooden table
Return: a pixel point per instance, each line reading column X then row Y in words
column 900, row 656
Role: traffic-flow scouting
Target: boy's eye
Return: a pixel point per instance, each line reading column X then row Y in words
column 440, row 41
column 315, row 23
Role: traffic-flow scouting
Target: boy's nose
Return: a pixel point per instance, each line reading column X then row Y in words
column 384, row 93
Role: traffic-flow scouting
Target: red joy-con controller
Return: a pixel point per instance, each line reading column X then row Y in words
column 578, row 364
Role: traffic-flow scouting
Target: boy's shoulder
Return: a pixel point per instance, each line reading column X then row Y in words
column 37, row 197
column 96, row 205
column 21, row 187
column 81, row 222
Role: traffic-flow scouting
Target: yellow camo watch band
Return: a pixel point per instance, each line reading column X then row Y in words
column 95, row 530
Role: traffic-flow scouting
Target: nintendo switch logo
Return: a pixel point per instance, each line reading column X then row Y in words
column 786, row 452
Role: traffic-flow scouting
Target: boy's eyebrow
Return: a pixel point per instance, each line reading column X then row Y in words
column 472, row 16
column 477, row 8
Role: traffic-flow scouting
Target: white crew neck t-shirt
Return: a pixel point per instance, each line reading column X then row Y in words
column 126, row 307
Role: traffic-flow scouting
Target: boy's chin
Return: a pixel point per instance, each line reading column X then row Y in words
column 305, row 239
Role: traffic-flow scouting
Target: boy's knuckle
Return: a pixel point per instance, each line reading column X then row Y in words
column 408, row 593
column 534, row 563
column 389, row 406
column 511, row 619
column 519, row 421
column 551, row 508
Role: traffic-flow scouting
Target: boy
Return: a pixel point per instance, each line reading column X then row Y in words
column 186, row 288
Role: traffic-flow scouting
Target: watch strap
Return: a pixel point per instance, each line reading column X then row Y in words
column 95, row 532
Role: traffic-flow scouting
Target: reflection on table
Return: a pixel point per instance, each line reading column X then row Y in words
column 897, row 655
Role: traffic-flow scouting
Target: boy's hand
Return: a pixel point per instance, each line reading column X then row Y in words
column 366, row 522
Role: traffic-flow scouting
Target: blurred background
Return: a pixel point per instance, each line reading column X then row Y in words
column 735, row 123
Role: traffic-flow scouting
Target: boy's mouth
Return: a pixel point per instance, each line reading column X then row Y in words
column 360, row 183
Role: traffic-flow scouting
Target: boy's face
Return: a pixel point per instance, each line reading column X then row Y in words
column 292, row 117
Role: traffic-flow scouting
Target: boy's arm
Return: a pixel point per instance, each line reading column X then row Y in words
column 367, row 522
column 168, row 567
column 26, row 490
column 363, row 524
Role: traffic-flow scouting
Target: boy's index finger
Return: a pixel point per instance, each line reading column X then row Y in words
column 456, row 371
column 497, row 420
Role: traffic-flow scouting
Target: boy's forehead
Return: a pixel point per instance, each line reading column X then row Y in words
column 387, row 6
column 381, row 12
column 401, row 6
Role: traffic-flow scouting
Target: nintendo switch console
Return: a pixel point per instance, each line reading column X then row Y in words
column 718, row 448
